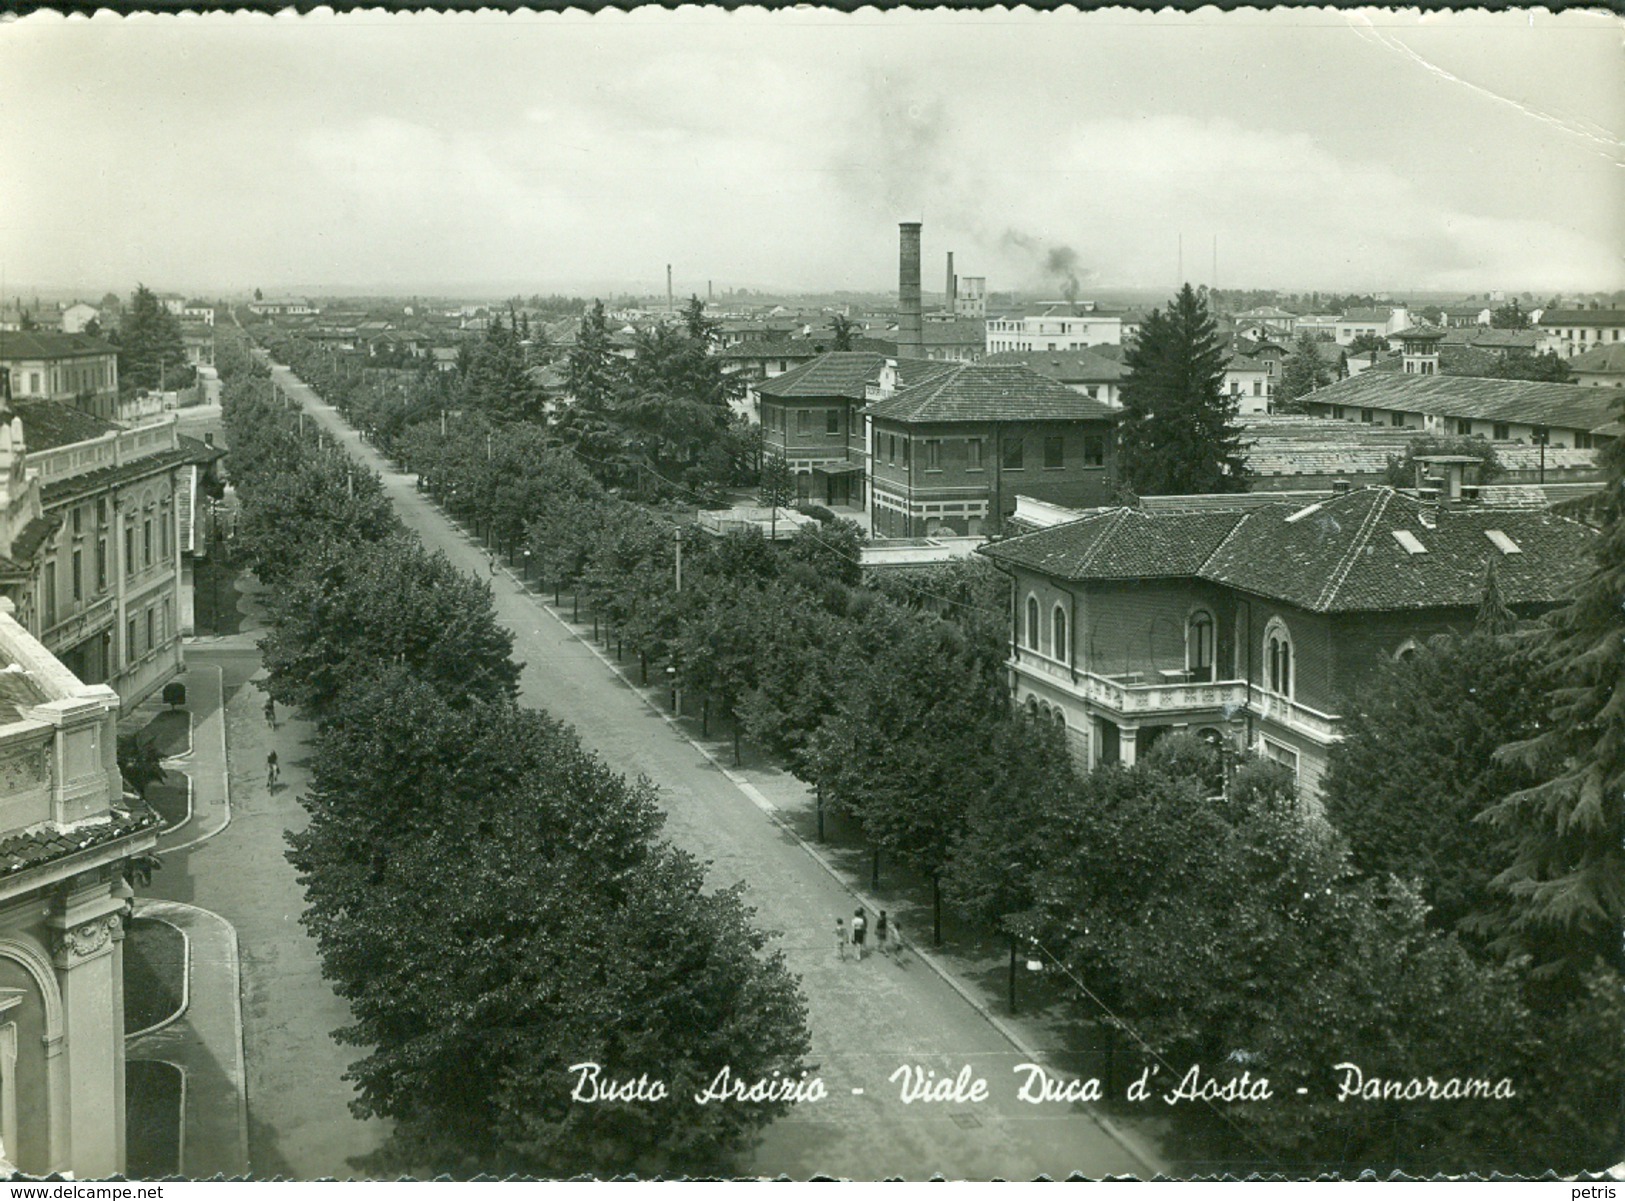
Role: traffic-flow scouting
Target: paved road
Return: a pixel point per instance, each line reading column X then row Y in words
column 868, row 1019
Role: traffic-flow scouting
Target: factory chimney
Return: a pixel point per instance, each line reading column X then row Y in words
column 910, row 339
column 671, row 304
column 950, row 293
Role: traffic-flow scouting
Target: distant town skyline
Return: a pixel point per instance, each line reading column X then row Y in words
column 465, row 153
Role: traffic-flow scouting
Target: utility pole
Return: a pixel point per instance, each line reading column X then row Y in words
column 671, row 305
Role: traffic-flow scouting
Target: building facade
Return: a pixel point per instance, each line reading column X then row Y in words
column 70, row 368
column 1056, row 327
column 1571, row 332
column 949, row 455
column 67, row 836
column 97, row 544
column 1253, row 628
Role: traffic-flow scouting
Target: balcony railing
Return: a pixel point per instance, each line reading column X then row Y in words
column 1144, row 694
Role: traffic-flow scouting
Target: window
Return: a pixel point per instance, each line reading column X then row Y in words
column 166, row 527
column 1058, row 644
column 907, row 442
column 48, row 617
column 131, row 651
column 1582, row 440
column 1032, row 622
column 1366, row 416
column 1094, row 450
column 1397, row 420
column 1013, row 454
column 129, row 549
column 78, row 520
column 1502, row 432
column 803, row 421
column 832, row 421
column 146, row 541
column 891, row 448
column 151, row 642
column 78, row 574
column 1337, row 412
column 101, row 565
column 973, row 454
column 1054, row 451
column 1199, row 646
column 1284, row 755
column 1464, row 427
column 933, row 454
column 1278, row 658
column 1258, row 387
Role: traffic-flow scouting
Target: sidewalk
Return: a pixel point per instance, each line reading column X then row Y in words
column 205, row 1043
column 204, row 764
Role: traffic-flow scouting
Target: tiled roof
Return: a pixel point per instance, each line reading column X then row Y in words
column 1337, row 555
column 1588, row 317
column 1365, row 316
column 1119, row 544
column 1343, row 557
column 94, row 481
column 48, row 424
column 1068, row 366
column 41, row 845
column 1563, row 406
column 838, row 373
column 783, row 349
column 44, row 344
column 979, row 392
column 1610, row 358
column 962, row 332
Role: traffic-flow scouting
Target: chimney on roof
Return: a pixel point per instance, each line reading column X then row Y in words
column 910, row 339
column 950, row 292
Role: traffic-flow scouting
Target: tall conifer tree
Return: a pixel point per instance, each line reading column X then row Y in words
column 1178, row 433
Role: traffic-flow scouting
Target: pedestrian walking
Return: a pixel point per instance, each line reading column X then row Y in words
column 493, row 565
column 270, row 712
column 881, row 933
column 840, row 940
column 859, row 928
column 272, row 771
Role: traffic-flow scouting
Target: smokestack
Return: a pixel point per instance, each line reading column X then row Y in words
column 910, row 340
column 671, row 305
column 710, row 294
column 949, row 292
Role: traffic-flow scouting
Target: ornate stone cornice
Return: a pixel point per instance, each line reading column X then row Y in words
column 86, row 940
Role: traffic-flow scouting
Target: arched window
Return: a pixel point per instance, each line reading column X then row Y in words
column 1058, row 643
column 1278, row 657
column 1032, row 622
column 1199, row 645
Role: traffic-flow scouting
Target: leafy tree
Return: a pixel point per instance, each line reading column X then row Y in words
column 1302, row 373
column 1565, row 887
column 842, row 329
column 1402, row 468
column 533, row 923
column 139, row 762
column 498, row 381
column 1365, row 343
column 352, row 607
column 149, row 344
column 778, row 487
column 1547, row 368
column 1511, row 315
column 1417, row 765
column 1178, row 433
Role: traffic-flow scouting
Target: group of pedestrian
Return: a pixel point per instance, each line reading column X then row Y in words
column 886, row 936
column 273, row 771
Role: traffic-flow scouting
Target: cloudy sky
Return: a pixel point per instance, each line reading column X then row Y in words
column 1323, row 149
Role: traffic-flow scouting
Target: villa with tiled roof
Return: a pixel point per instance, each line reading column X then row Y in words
column 1096, row 374
column 1571, row 332
column 1254, row 624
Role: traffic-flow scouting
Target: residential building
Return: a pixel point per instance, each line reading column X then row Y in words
column 1561, row 415
column 1378, row 323
column 1317, row 325
column 67, row 836
column 1466, row 316
column 199, row 311
column 950, row 454
column 764, row 360
column 1571, row 332
column 1253, row 626
column 283, row 306
column 970, row 297
column 1096, row 375
column 96, row 550
column 811, row 419
column 78, row 315
column 1250, row 373
column 74, row 369
column 1274, row 320
column 1601, row 367
column 1058, row 325
column 1488, row 340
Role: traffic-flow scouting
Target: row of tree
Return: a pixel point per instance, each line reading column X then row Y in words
column 495, row 903
column 1320, row 944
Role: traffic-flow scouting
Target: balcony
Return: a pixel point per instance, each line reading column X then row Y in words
column 1174, row 692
